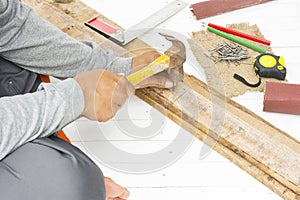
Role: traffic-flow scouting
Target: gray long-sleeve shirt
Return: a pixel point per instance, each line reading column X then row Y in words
column 38, row 46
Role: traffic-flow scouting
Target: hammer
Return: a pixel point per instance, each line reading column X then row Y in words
column 173, row 60
column 177, row 54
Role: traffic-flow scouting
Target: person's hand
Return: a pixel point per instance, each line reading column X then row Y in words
column 159, row 80
column 115, row 191
column 104, row 93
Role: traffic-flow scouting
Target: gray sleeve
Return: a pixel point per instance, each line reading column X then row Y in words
column 27, row 117
column 38, row 46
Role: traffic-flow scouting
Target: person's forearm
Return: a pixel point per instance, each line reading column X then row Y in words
column 26, row 117
column 38, row 46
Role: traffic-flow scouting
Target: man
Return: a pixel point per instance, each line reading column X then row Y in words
column 34, row 162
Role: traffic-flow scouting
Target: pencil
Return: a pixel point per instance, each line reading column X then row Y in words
column 237, row 40
column 240, row 34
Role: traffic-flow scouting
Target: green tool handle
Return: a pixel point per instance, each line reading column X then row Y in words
column 237, row 40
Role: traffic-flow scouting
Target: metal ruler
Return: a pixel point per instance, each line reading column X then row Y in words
column 123, row 37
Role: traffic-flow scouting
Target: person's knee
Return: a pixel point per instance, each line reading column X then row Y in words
column 79, row 179
column 50, row 169
column 85, row 181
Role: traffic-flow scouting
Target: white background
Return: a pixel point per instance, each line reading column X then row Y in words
column 213, row 177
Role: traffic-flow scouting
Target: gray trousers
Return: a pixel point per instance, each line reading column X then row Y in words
column 50, row 169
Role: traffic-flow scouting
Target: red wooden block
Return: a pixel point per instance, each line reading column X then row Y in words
column 282, row 98
column 215, row 7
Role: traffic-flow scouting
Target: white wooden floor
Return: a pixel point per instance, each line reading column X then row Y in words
column 144, row 151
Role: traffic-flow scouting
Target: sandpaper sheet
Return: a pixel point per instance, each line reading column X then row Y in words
column 214, row 7
column 225, row 71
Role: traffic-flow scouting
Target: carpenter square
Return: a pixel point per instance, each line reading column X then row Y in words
column 123, row 37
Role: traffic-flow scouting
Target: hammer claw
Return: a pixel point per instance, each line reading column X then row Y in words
column 177, row 54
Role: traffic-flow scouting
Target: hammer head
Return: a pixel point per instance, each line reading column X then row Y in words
column 177, row 54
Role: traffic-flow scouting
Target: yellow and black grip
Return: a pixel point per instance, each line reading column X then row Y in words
column 270, row 66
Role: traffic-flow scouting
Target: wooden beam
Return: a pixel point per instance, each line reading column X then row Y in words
column 237, row 137
column 259, row 148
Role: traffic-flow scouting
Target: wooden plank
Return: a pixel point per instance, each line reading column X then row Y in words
column 243, row 139
column 259, row 148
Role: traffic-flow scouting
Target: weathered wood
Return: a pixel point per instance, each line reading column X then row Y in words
column 259, row 148
column 234, row 153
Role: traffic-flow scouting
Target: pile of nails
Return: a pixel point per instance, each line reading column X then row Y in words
column 229, row 53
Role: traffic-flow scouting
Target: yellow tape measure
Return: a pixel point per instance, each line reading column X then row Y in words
column 158, row 65
column 270, row 66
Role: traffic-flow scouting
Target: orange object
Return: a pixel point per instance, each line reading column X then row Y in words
column 61, row 134
column 45, row 78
